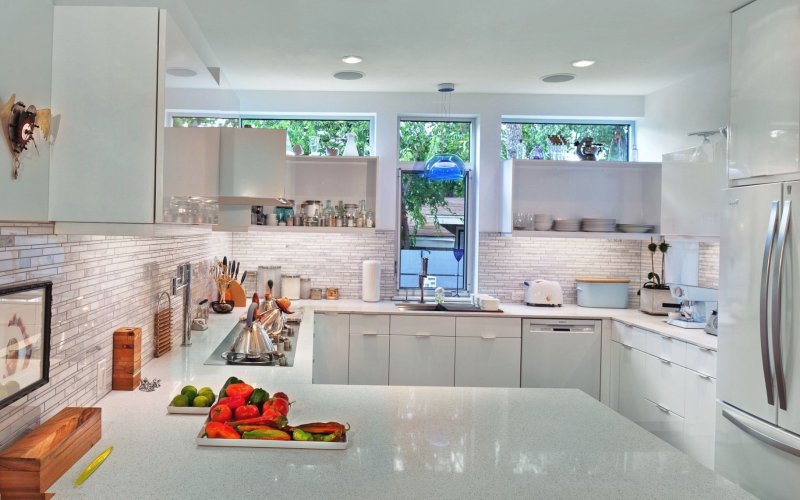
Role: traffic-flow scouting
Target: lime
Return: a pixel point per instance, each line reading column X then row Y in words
column 201, row 401
column 189, row 388
column 180, row 400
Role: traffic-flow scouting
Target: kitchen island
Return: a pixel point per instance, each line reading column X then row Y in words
column 405, row 442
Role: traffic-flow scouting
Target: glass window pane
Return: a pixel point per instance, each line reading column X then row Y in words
column 315, row 136
column 419, row 140
column 201, row 121
column 540, row 138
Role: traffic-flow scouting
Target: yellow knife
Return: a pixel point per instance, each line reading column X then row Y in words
column 93, row 466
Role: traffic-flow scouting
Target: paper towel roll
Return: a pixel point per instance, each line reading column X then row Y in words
column 371, row 281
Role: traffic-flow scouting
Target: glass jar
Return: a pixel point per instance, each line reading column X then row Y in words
column 327, row 213
column 313, row 207
column 351, row 213
column 370, row 219
column 332, row 293
column 316, row 294
column 305, row 288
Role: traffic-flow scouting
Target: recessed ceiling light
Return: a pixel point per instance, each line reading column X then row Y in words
column 182, row 72
column 349, row 75
column 352, row 59
column 583, row 63
column 558, row 78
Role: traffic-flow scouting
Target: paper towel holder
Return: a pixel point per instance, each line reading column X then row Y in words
column 371, row 281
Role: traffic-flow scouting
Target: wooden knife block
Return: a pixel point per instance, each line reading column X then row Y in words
column 237, row 294
column 37, row 460
column 126, row 372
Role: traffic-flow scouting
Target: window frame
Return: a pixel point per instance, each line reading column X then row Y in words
column 529, row 120
column 370, row 117
column 470, row 199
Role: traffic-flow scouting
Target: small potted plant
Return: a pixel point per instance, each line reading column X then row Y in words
column 655, row 292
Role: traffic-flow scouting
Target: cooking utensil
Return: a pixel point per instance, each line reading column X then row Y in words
column 236, row 274
column 244, row 276
column 269, row 285
column 93, row 465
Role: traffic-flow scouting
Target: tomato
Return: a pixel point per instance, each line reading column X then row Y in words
column 221, row 413
column 280, row 405
column 248, row 411
column 239, row 390
column 232, row 401
column 281, row 395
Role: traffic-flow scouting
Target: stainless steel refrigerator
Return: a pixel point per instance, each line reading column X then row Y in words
column 758, row 391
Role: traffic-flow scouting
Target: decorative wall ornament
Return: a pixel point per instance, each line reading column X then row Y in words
column 19, row 122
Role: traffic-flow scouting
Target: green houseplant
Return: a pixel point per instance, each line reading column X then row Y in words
column 655, row 292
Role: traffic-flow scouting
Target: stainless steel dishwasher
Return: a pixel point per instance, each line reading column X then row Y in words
column 562, row 353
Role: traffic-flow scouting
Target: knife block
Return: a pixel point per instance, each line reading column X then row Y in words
column 127, row 362
column 237, row 294
column 37, row 460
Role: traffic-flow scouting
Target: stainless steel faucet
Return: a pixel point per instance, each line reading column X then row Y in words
column 183, row 281
column 422, row 277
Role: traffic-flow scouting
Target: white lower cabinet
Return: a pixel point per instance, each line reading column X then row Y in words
column 666, row 384
column 421, row 360
column 632, row 377
column 487, row 362
column 701, row 392
column 331, row 348
column 369, row 359
column 664, row 423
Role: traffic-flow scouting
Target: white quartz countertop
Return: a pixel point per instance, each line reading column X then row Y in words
column 417, row 442
column 633, row 317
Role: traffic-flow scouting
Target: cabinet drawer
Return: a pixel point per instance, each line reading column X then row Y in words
column 666, row 347
column 701, row 359
column 700, row 424
column 369, row 324
column 666, row 384
column 664, row 423
column 421, row 360
column 487, row 362
column 629, row 335
column 442, row 326
column 369, row 359
column 488, row 327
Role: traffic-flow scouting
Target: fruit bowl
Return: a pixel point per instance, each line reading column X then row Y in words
column 188, row 410
column 222, row 307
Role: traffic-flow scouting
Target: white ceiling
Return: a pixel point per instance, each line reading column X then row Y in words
column 501, row 46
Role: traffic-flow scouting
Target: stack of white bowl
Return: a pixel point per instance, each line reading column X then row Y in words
column 567, row 225
column 599, row 225
column 542, row 222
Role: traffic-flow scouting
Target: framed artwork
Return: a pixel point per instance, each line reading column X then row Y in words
column 24, row 339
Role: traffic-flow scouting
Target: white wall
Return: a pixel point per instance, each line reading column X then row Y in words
column 388, row 107
column 26, row 62
column 699, row 102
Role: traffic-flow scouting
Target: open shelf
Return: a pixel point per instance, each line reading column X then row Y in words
column 584, row 234
column 347, row 178
column 311, row 229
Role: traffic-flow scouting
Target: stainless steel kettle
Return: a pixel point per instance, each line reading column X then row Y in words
column 253, row 341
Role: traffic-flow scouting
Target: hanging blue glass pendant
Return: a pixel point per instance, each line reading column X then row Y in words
column 444, row 168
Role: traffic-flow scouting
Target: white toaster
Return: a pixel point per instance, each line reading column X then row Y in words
column 543, row 293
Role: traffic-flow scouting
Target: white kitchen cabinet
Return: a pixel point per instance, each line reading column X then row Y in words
column 252, row 165
column 442, row 326
column 488, row 327
column 701, row 359
column 614, row 357
column 421, row 359
column 368, row 359
column 765, row 90
column 665, row 347
column 331, row 348
column 191, row 171
column 632, row 383
column 666, row 384
column 664, row 423
column 109, row 140
column 487, row 361
column 629, row 335
column 700, row 417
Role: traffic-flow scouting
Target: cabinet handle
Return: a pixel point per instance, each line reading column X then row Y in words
column 666, row 337
column 422, row 335
column 370, row 334
column 705, row 349
column 666, row 361
column 626, row 346
column 704, row 376
column 662, row 408
column 488, row 337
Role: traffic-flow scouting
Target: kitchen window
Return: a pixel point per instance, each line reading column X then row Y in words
column 204, row 121
column 317, row 136
column 540, row 139
column 434, row 216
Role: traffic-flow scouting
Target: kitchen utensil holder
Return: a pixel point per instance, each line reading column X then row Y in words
column 163, row 317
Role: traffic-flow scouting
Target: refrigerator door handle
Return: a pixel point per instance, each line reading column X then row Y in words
column 751, row 427
column 763, row 321
column 777, row 351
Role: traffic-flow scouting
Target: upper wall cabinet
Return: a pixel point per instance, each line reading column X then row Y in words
column 765, row 90
column 252, row 166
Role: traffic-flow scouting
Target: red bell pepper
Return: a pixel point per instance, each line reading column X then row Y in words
column 243, row 390
column 247, row 411
column 280, row 405
column 218, row 430
column 232, row 402
column 269, row 417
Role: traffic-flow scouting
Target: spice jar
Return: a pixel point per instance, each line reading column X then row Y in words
column 332, row 293
column 351, row 214
column 316, row 294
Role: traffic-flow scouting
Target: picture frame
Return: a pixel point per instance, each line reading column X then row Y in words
column 25, row 312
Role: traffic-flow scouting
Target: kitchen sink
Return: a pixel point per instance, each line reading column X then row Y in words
column 461, row 307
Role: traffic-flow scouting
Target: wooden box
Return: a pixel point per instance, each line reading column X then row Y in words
column 37, row 460
column 127, row 362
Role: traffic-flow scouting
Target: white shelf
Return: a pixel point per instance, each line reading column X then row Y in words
column 133, row 229
column 295, row 229
column 584, row 234
column 586, row 165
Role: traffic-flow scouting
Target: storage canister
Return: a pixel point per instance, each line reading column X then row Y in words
column 316, row 293
column 332, row 293
column 602, row 292
column 305, row 288
column 266, row 273
column 290, row 286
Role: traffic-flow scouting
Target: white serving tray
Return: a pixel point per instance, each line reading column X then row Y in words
column 266, row 443
column 188, row 410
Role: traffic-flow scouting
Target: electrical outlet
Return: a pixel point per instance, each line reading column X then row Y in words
column 103, row 376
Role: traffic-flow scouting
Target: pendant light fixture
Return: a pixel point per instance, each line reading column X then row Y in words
column 445, row 166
